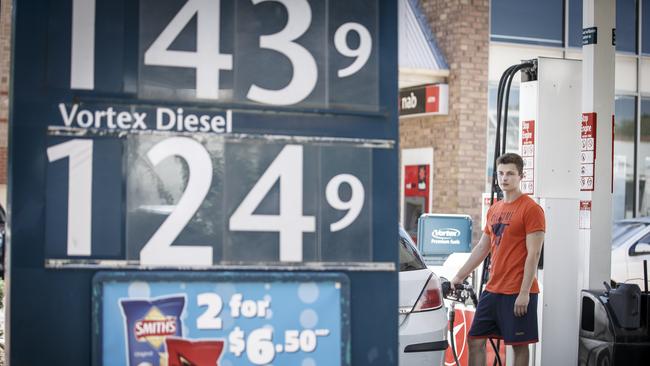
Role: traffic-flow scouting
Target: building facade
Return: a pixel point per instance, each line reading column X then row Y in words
column 524, row 29
column 456, row 141
column 480, row 40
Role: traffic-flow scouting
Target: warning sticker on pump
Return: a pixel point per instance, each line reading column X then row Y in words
column 528, row 175
column 585, row 215
column 587, row 151
column 528, row 155
column 587, row 157
column 528, row 162
column 587, row 170
column 586, row 183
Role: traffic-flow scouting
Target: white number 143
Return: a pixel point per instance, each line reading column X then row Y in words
column 208, row 60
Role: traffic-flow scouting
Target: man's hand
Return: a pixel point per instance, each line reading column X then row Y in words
column 457, row 280
column 480, row 251
column 521, row 304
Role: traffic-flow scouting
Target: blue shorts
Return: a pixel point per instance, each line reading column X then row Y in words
column 495, row 318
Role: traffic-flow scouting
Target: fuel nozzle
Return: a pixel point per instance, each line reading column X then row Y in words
column 460, row 293
column 457, row 294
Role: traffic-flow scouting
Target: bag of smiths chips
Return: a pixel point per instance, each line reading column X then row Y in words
column 148, row 324
column 202, row 352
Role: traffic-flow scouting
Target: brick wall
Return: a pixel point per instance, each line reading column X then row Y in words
column 461, row 29
column 5, row 61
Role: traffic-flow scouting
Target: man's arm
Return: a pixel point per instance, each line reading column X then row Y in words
column 480, row 251
column 534, row 242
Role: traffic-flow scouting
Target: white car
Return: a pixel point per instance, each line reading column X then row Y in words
column 630, row 246
column 422, row 313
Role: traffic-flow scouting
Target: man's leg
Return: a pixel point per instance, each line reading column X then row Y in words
column 521, row 355
column 518, row 331
column 476, row 351
column 483, row 325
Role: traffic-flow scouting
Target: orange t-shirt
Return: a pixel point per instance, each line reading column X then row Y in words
column 507, row 225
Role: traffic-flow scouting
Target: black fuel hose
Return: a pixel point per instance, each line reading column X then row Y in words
column 500, row 145
column 513, row 72
column 497, row 142
column 452, row 318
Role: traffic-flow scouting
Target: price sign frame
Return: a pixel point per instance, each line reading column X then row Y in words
column 90, row 69
column 226, row 282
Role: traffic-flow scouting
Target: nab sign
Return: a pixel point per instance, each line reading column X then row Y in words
column 203, row 182
column 424, row 100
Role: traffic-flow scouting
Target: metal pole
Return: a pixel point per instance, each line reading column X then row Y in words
column 645, row 276
column 598, row 63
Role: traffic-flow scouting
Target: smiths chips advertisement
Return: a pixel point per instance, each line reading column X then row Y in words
column 206, row 319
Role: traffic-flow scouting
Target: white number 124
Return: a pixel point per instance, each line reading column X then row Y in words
column 290, row 223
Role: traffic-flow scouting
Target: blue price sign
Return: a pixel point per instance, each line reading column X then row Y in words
column 199, row 136
column 160, row 319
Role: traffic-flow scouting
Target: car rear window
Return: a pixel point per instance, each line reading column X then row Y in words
column 623, row 231
column 409, row 258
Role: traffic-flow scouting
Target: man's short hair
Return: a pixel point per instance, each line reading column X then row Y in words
column 512, row 158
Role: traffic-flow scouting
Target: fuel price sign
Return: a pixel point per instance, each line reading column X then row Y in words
column 246, row 145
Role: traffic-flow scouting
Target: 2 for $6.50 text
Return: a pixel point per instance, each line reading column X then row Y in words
column 258, row 345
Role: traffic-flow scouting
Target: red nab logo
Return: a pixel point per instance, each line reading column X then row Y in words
column 181, row 352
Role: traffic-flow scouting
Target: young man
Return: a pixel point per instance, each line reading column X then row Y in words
column 514, row 234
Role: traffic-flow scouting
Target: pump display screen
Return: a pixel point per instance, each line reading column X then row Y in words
column 444, row 234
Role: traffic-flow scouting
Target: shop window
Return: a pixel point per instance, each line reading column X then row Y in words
column 626, row 25
column 513, row 126
column 643, row 153
column 645, row 28
column 527, row 21
column 575, row 23
column 624, row 141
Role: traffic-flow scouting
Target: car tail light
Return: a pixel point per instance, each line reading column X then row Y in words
column 431, row 296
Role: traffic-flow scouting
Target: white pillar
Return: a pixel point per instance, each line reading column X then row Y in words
column 598, row 111
column 550, row 142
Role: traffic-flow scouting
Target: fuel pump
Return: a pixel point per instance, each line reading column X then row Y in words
column 549, row 126
column 550, row 93
column 566, row 143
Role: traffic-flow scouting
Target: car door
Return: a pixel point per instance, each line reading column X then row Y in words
column 624, row 235
column 638, row 251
